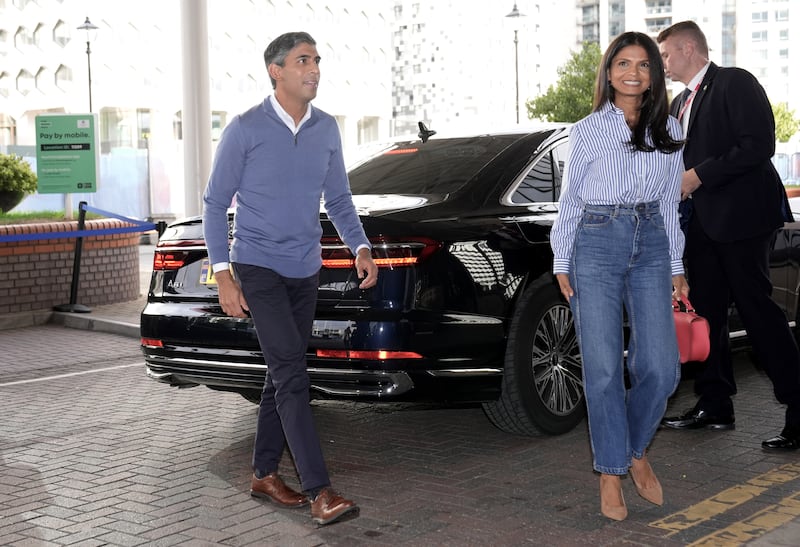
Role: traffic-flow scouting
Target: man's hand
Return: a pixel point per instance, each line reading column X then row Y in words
column 366, row 268
column 230, row 295
column 689, row 183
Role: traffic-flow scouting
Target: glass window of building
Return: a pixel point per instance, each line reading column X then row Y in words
column 44, row 80
column 143, row 126
column 63, row 77
column 61, row 34
column 658, row 6
column 218, row 122
column 8, row 128
column 5, row 84
column 657, row 24
column 22, row 38
column 37, row 34
column 24, row 82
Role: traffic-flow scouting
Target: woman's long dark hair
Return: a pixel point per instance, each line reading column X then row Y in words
column 655, row 109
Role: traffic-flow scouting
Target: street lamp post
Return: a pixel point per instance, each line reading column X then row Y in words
column 90, row 34
column 515, row 15
column 89, row 28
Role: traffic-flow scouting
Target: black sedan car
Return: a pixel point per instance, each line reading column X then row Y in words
column 466, row 308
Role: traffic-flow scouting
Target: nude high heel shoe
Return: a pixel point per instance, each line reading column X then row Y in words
column 610, row 492
column 652, row 492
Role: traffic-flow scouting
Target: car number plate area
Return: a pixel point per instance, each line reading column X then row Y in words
column 207, row 273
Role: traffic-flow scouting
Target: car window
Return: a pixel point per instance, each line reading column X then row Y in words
column 439, row 166
column 542, row 182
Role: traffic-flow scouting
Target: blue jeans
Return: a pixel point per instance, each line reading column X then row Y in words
column 621, row 257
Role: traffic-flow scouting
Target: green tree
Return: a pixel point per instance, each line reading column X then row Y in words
column 571, row 97
column 786, row 124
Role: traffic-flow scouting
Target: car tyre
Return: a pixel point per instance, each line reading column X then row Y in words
column 542, row 388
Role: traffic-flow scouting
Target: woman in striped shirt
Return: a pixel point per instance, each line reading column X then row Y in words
column 617, row 245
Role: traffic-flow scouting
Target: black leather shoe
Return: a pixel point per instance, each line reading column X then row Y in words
column 789, row 439
column 700, row 419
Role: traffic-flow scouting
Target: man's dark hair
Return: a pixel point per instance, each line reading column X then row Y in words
column 280, row 47
column 655, row 109
column 686, row 29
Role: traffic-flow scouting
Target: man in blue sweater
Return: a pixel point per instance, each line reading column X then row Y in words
column 278, row 160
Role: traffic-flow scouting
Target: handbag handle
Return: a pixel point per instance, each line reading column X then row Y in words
column 683, row 304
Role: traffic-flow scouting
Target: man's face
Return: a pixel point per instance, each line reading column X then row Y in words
column 298, row 78
column 676, row 62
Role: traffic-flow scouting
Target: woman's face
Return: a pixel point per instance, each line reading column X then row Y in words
column 629, row 72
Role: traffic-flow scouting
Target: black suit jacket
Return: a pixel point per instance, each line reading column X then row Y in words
column 730, row 142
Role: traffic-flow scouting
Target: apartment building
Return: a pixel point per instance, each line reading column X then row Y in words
column 752, row 34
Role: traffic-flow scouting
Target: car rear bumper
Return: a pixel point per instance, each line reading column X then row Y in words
column 462, row 383
column 417, row 358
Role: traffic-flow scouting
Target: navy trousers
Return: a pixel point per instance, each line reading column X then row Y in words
column 283, row 312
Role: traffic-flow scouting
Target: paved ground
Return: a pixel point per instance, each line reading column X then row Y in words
column 92, row 452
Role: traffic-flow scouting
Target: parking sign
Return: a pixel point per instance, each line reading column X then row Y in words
column 67, row 153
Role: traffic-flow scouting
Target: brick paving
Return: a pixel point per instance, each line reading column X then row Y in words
column 111, row 457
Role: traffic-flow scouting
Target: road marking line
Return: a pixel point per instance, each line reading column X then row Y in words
column 727, row 499
column 755, row 526
column 58, row 376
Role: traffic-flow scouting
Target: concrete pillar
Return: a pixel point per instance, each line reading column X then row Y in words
column 196, row 115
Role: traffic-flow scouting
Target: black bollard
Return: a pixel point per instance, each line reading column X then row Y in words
column 73, row 306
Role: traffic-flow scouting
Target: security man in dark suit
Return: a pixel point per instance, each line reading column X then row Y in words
column 734, row 201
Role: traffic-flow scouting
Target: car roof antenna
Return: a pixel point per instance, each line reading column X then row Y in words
column 424, row 132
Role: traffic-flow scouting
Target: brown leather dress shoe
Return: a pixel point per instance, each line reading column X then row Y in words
column 275, row 490
column 330, row 507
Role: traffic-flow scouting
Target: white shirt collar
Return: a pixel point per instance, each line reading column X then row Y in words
column 694, row 82
column 286, row 118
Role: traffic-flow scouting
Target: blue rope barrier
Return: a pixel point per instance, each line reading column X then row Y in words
column 138, row 226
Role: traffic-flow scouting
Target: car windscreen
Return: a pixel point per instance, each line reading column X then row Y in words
column 440, row 166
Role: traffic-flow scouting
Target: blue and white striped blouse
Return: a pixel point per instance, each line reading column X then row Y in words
column 602, row 169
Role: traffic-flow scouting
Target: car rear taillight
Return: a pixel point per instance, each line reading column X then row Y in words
column 152, row 343
column 387, row 253
column 169, row 260
column 375, row 355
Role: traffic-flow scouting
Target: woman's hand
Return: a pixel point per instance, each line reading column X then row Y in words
column 680, row 288
column 563, row 284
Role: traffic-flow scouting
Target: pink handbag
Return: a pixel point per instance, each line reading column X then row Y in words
column 692, row 330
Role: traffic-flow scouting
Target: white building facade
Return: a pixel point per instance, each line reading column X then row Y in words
column 752, row 34
column 456, row 65
column 137, row 87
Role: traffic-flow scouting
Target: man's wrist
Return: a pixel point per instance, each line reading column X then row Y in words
column 220, row 266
